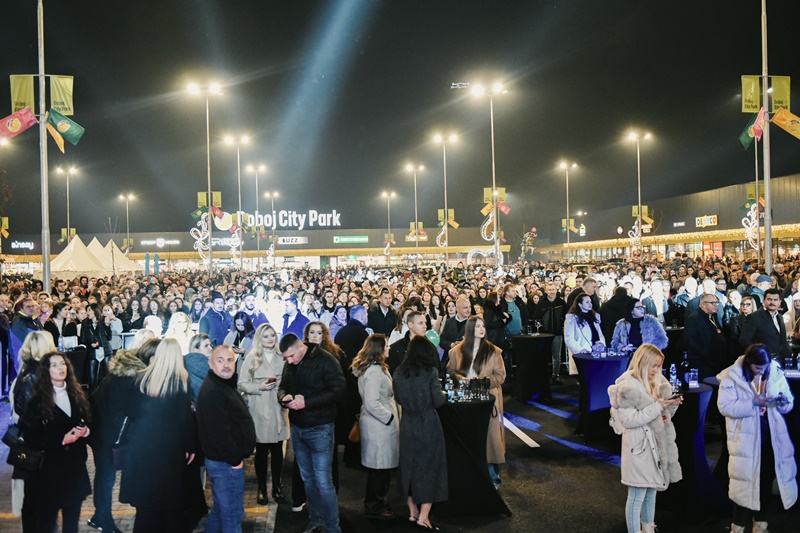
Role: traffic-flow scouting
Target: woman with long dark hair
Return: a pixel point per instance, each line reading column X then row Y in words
column 133, row 318
column 476, row 357
column 96, row 336
column 259, row 380
column 240, row 337
column 582, row 330
column 55, row 421
column 378, row 424
column 423, row 459
column 753, row 397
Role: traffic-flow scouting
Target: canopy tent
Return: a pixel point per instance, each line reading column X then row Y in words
column 103, row 255
column 121, row 262
column 76, row 260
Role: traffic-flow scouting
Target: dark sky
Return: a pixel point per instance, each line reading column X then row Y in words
column 339, row 95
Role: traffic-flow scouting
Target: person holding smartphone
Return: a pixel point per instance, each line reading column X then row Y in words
column 258, row 380
column 753, row 397
column 642, row 407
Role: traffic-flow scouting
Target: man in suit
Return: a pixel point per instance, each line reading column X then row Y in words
column 705, row 343
column 766, row 326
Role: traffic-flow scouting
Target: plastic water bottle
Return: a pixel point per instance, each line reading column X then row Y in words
column 60, row 343
column 448, row 387
column 685, row 371
column 673, row 376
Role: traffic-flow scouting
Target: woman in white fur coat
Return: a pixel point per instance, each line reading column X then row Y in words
column 641, row 410
column 753, row 396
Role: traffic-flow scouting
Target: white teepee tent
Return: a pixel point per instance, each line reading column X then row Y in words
column 77, row 260
column 121, row 263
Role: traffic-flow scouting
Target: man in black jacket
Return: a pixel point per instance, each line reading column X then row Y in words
column 550, row 313
column 383, row 319
column 227, row 438
column 705, row 343
column 311, row 386
column 766, row 326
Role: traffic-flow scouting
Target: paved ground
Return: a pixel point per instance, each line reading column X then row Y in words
column 564, row 485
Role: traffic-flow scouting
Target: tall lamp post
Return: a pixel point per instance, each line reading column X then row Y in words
column 439, row 139
column 252, row 169
column 388, row 196
column 69, row 172
column 212, row 89
column 414, row 169
column 127, row 199
column 272, row 196
column 244, row 139
column 634, row 136
column 565, row 167
column 479, row 90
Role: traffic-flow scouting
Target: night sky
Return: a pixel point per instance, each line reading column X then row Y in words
column 339, row 95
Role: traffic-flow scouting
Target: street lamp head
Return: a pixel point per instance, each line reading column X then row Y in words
column 245, row 139
column 228, row 139
column 478, row 90
column 214, row 88
column 131, row 197
column 193, row 88
column 3, row 141
column 438, row 138
column 453, row 137
column 73, row 170
column 497, row 88
column 249, row 168
column 262, row 168
column 647, row 135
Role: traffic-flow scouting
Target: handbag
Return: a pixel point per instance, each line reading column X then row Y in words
column 118, row 449
column 21, row 455
column 355, row 432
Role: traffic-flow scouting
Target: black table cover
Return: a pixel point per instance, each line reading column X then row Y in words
column 698, row 487
column 79, row 358
column 596, row 374
column 533, row 359
column 470, row 488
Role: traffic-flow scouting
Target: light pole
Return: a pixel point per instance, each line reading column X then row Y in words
column 252, row 169
column 439, row 139
column 565, row 167
column 634, row 136
column 414, row 169
column 127, row 199
column 272, row 196
column 388, row 196
column 69, row 172
column 479, row 90
column 213, row 89
column 244, row 139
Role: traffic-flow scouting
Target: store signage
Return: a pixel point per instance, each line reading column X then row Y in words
column 705, row 221
column 161, row 242
column 227, row 242
column 413, row 238
column 292, row 240
column 22, row 245
column 350, row 239
column 292, row 219
column 647, row 228
column 679, row 224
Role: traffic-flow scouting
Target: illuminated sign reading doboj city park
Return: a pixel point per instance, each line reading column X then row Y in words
column 283, row 219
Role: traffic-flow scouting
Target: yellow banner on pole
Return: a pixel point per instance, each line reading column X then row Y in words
column 751, row 94
column 3, row 222
column 21, row 92
column 216, row 198
column 751, row 190
column 202, row 199
column 61, row 94
column 788, row 122
column 781, row 97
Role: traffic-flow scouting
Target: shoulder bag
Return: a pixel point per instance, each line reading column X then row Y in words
column 21, row 455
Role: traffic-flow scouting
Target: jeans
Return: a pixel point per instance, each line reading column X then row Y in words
column 313, row 451
column 494, row 473
column 104, row 478
column 556, row 354
column 227, row 489
column 640, row 508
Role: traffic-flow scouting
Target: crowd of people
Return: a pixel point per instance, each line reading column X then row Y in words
column 188, row 376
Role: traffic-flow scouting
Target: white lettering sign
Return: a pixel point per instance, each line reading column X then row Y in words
column 292, row 219
column 292, row 240
column 25, row 245
column 161, row 242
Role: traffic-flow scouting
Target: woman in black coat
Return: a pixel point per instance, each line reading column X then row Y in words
column 160, row 441
column 96, row 336
column 108, row 412
column 495, row 319
column 55, row 421
column 423, row 460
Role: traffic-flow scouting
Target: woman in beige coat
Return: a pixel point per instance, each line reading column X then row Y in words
column 475, row 357
column 259, row 381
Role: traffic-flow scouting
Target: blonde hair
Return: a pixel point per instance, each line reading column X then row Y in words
column 257, row 349
column 643, row 357
column 171, row 328
column 166, row 374
column 142, row 336
column 36, row 344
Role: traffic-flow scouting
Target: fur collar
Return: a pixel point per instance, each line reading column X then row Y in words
column 628, row 391
column 125, row 364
